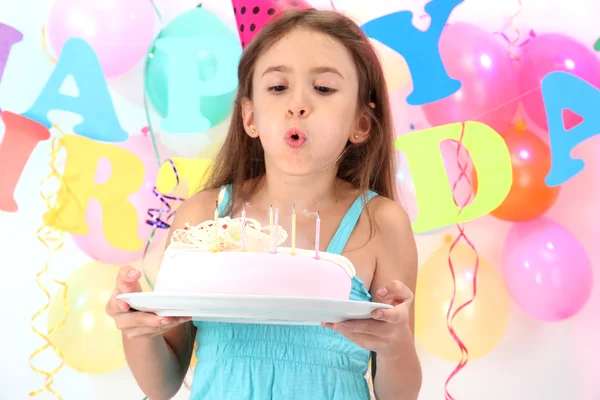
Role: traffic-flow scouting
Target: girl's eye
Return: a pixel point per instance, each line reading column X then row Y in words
column 277, row 88
column 324, row 89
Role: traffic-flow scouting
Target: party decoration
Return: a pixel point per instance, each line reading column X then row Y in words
column 529, row 196
column 124, row 184
column 187, row 169
column 395, row 68
column 419, row 48
column 407, row 189
column 546, row 270
column 119, row 32
column 53, row 240
column 89, row 341
column 565, row 91
column 21, row 135
column 480, row 325
column 488, row 75
column 93, row 103
column 252, row 15
column 191, row 77
column 117, row 219
column 490, row 158
column 597, row 45
column 196, row 145
column 554, row 52
column 10, row 36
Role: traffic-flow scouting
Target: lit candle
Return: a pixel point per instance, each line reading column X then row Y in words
column 243, row 227
column 294, row 230
column 216, row 226
column 317, row 236
column 271, row 226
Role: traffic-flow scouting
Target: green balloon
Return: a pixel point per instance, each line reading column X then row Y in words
column 196, row 23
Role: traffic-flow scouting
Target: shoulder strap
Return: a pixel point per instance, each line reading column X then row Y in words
column 226, row 198
column 338, row 243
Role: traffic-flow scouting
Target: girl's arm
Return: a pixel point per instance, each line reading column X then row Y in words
column 159, row 364
column 398, row 375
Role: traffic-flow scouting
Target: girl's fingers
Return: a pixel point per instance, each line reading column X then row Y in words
column 146, row 320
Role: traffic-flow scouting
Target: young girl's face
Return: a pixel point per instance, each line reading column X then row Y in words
column 304, row 105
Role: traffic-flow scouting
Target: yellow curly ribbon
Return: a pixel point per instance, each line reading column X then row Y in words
column 45, row 46
column 53, row 240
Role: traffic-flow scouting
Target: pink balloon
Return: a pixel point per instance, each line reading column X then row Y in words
column 94, row 244
column 407, row 191
column 488, row 75
column 553, row 52
column 546, row 270
column 119, row 31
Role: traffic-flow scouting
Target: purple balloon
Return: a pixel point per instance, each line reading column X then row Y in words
column 488, row 75
column 547, row 53
column 546, row 270
column 120, row 32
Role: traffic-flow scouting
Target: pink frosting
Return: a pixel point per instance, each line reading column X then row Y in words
column 248, row 273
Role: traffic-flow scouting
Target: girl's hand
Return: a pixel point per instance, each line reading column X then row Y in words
column 136, row 324
column 382, row 333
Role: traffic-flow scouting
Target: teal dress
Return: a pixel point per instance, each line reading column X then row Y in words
column 283, row 362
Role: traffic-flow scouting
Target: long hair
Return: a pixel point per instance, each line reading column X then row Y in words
column 367, row 165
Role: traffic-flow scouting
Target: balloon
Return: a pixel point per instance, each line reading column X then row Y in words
column 480, row 325
column 89, row 340
column 548, row 53
column 546, row 270
column 199, row 24
column 529, row 196
column 395, row 68
column 120, row 32
column 488, row 76
column 406, row 188
column 196, row 145
column 94, row 243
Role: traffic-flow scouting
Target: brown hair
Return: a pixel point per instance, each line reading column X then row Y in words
column 368, row 165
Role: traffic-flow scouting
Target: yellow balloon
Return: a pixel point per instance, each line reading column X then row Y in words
column 480, row 325
column 395, row 68
column 89, row 340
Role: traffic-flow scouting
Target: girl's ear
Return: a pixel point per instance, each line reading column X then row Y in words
column 362, row 130
column 248, row 117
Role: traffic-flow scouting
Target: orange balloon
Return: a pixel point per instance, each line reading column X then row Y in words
column 529, row 196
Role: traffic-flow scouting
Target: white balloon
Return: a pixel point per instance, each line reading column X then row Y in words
column 196, row 145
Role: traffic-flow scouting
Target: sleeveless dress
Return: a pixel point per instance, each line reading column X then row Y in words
column 283, row 362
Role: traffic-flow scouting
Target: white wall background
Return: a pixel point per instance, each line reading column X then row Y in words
column 534, row 361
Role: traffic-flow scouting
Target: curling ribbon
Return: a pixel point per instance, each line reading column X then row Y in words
column 45, row 45
column 53, row 240
column 146, row 64
column 155, row 218
column 450, row 314
column 519, row 116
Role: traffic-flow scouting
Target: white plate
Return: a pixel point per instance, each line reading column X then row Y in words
column 251, row 309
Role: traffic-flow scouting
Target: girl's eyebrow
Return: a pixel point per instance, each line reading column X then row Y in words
column 316, row 70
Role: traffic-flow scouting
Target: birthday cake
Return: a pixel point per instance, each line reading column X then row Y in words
column 241, row 257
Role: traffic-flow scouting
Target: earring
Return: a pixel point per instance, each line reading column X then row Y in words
column 355, row 136
column 252, row 132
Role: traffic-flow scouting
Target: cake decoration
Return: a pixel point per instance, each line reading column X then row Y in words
column 226, row 235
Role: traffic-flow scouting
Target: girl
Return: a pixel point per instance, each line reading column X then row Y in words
column 311, row 127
